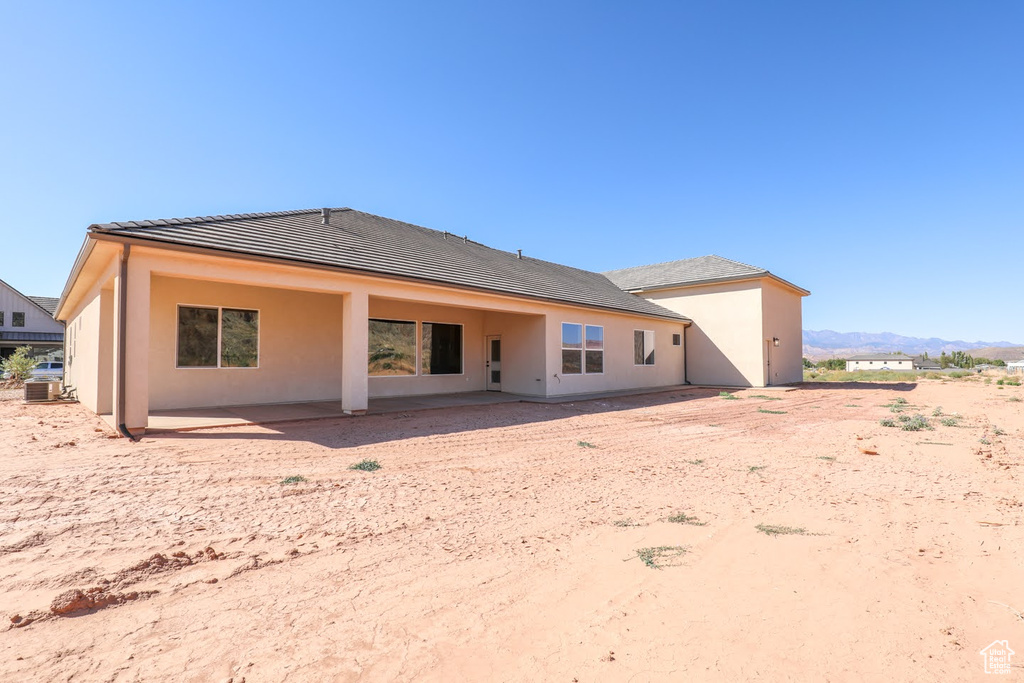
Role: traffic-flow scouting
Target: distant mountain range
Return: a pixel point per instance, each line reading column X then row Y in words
column 826, row 344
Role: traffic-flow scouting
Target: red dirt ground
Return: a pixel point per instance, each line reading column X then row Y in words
column 496, row 544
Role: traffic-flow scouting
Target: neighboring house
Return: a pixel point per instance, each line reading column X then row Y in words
column 880, row 361
column 337, row 304
column 28, row 321
column 747, row 324
column 921, row 363
column 1015, row 368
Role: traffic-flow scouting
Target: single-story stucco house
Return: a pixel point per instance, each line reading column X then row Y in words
column 28, row 321
column 337, row 304
column 880, row 361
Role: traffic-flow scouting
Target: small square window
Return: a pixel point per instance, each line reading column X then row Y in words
column 18, row 319
column 677, row 340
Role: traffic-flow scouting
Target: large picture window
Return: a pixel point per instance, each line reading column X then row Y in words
column 392, row 348
column 218, row 337
column 643, row 347
column 572, row 349
column 441, row 349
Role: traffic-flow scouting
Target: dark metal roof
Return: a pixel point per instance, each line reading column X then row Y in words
column 47, row 303
column 14, row 336
column 373, row 244
column 691, row 271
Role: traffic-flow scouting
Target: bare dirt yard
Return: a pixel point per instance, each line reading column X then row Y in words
column 677, row 536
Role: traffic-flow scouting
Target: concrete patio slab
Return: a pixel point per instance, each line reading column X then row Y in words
column 232, row 416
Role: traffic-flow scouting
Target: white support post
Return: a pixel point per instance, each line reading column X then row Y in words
column 355, row 349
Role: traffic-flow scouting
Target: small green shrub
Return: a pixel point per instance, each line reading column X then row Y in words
column 771, row 412
column 950, row 422
column 1014, row 399
column 766, row 398
column 755, row 468
column 365, row 466
column 627, row 522
column 652, row 556
column 696, row 462
column 726, row 395
column 997, row 431
column 20, row 364
column 829, row 458
column 1000, row 382
column 887, row 422
column 777, row 530
column 1013, row 382
column 916, row 424
column 937, row 412
column 683, row 518
column 585, row 444
column 294, row 479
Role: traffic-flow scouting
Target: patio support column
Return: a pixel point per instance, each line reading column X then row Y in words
column 355, row 349
column 131, row 286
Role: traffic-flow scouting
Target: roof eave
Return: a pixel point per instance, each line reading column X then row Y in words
column 83, row 255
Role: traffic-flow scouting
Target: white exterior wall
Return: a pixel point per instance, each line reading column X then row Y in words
column 36, row 319
column 880, row 364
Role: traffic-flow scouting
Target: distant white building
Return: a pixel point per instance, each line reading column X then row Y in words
column 880, row 361
column 1015, row 368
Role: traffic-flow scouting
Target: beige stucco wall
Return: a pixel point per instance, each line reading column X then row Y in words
column 619, row 370
column 523, row 366
column 782, row 313
column 724, row 344
column 299, row 347
column 88, row 366
column 82, row 354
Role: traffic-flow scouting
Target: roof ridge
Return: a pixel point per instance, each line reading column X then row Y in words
column 692, row 258
column 218, row 218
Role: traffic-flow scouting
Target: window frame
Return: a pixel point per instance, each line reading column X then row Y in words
column 14, row 319
column 419, row 350
column 645, row 349
column 220, row 337
column 563, row 348
column 415, row 346
column 1, row 318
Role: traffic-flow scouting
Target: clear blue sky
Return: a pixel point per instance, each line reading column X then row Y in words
column 872, row 152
